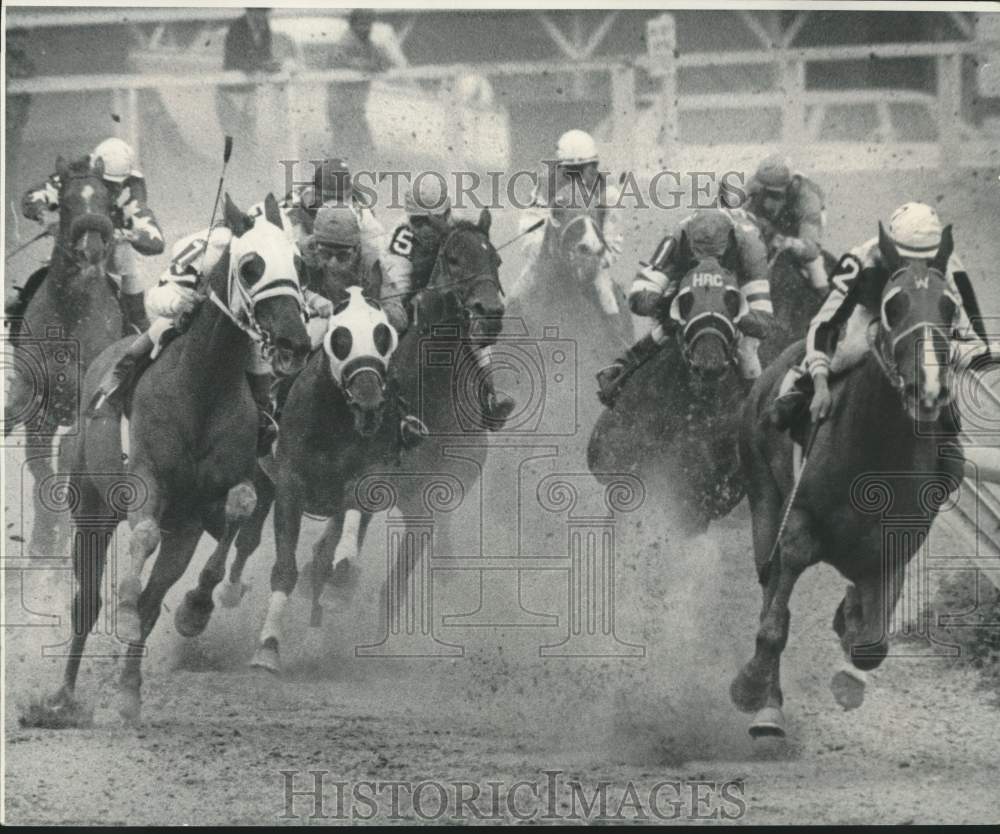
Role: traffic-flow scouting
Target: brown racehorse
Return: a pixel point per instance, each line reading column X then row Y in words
column 71, row 316
column 886, row 442
column 192, row 445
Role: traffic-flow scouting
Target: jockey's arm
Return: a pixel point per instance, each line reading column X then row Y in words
column 969, row 323
column 755, row 286
column 807, row 246
column 177, row 291
column 41, row 201
column 141, row 228
column 845, row 284
column 318, row 305
column 373, row 237
column 397, row 279
column 652, row 286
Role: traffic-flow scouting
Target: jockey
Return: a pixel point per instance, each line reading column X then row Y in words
column 916, row 230
column 408, row 264
column 577, row 182
column 788, row 209
column 179, row 292
column 708, row 235
column 135, row 225
column 332, row 186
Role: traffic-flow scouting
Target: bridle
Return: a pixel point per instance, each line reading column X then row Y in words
column 711, row 323
column 577, row 261
column 451, row 284
column 80, row 226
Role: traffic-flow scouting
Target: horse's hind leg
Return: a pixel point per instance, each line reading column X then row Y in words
column 178, row 546
column 758, row 685
column 324, row 555
column 144, row 521
column 195, row 611
column 247, row 542
column 46, row 541
column 345, row 573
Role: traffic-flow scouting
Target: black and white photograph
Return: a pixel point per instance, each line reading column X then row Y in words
column 437, row 413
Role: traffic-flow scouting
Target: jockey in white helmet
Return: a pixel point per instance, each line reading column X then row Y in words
column 135, row 224
column 409, row 263
column 915, row 229
column 576, row 174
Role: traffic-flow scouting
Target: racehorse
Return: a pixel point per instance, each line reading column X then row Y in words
column 192, row 445
column 334, row 423
column 795, row 300
column 563, row 293
column 880, row 447
column 71, row 316
column 675, row 422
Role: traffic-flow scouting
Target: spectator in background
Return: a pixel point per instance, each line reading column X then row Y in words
column 371, row 48
column 19, row 65
column 247, row 49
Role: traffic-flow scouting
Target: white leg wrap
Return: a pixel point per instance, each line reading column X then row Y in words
column 347, row 547
column 275, row 611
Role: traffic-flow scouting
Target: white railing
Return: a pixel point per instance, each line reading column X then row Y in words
column 790, row 94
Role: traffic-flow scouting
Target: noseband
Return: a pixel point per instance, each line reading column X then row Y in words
column 451, row 285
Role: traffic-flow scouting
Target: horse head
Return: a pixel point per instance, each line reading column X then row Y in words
column 358, row 344
column 707, row 307
column 263, row 285
column 86, row 231
column 464, row 287
column 575, row 239
column 918, row 312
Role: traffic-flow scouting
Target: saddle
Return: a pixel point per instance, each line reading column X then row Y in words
column 126, row 392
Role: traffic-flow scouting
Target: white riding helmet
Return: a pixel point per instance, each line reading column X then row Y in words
column 915, row 228
column 430, row 197
column 576, row 147
column 118, row 156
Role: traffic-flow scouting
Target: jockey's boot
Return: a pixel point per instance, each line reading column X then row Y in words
column 495, row 407
column 267, row 426
column 611, row 379
column 134, row 318
column 14, row 305
column 792, row 406
column 108, row 399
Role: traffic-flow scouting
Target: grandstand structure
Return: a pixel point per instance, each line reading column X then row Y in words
column 869, row 89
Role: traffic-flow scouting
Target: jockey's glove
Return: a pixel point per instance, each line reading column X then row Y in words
column 171, row 300
column 750, row 326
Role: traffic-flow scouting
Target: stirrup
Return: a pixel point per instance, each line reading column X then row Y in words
column 412, row 431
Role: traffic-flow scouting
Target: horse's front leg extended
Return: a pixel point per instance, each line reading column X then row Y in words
column 247, row 542
column 195, row 611
column 758, row 685
column 46, row 540
column 284, row 575
column 145, row 538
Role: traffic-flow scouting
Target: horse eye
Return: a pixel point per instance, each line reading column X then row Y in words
column 341, row 341
column 896, row 309
column 252, row 269
column 684, row 304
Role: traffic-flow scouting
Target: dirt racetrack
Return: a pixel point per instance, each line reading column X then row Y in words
column 216, row 736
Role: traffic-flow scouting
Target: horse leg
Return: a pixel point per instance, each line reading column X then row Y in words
column 247, row 542
column 178, row 546
column 45, row 538
column 195, row 611
column 758, row 685
column 145, row 538
column 324, row 555
column 865, row 639
column 284, row 574
column 345, row 574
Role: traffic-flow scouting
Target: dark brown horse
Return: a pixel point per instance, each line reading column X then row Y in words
column 336, row 421
column 884, row 449
column 675, row 423
column 795, row 301
column 71, row 316
column 192, row 445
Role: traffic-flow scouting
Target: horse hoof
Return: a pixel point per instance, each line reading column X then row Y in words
column 848, row 687
column 230, row 595
column 129, row 706
column 768, row 723
column 128, row 626
column 266, row 657
column 193, row 615
column 746, row 695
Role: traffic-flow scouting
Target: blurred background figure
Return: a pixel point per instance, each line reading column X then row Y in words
column 19, row 65
column 248, row 49
column 368, row 47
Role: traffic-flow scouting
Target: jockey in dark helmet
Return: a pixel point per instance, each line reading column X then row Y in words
column 135, row 226
column 838, row 335
column 788, row 209
column 708, row 233
column 577, row 177
column 407, row 267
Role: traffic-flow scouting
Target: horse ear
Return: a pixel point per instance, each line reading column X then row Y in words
column 485, row 221
column 730, row 259
column 236, row 220
column 890, row 253
column 62, row 167
column 98, row 167
column 271, row 211
column 685, row 254
column 945, row 248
